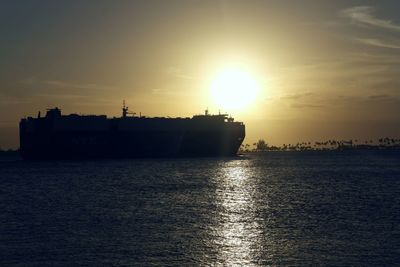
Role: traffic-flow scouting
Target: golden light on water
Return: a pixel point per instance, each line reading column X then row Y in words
column 234, row 89
column 239, row 234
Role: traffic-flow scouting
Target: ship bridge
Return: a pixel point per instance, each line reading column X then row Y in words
column 213, row 117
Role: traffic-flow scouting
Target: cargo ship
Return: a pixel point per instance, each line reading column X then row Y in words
column 58, row 136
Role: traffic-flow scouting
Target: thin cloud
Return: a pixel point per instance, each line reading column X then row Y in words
column 352, row 100
column 65, row 96
column 385, row 98
column 178, row 73
column 65, row 84
column 301, row 105
column 8, row 100
column 379, row 43
column 296, row 96
column 364, row 15
column 90, row 86
column 158, row 91
column 382, row 96
column 175, row 91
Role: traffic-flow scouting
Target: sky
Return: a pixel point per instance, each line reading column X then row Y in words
column 326, row 69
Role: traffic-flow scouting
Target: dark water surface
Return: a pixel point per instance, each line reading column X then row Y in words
column 279, row 208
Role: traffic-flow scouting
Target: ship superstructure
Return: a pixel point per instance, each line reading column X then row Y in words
column 57, row 136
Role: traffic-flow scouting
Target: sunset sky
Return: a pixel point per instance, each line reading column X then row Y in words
column 325, row 69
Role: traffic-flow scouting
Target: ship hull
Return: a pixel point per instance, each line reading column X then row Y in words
column 124, row 138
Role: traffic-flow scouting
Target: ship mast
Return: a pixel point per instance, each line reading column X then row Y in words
column 125, row 110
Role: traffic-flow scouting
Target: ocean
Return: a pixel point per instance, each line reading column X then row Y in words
column 262, row 209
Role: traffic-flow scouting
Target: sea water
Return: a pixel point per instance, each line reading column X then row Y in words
column 262, row 209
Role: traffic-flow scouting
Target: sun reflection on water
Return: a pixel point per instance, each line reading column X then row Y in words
column 238, row 233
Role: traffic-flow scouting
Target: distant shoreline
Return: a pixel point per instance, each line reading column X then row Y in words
column 313, row 150
column 328, row 145
column 323, row 150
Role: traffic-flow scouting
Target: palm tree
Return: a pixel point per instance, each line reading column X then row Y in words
column 261, row 145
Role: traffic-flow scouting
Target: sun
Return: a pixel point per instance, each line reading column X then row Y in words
column 234, row 89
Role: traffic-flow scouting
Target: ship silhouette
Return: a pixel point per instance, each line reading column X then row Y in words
column 58, row 136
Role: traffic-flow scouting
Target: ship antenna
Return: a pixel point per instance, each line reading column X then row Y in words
column 124, row 109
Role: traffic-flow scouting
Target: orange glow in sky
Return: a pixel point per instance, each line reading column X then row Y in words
column 290, row 70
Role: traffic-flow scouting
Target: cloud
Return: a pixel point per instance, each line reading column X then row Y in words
column 387, row 85
column 52, row 91
column 296, row 100
column 159, row 91
column 364, row 15
column 302, row 105
column 379, row 43
column 178, row 73
column 173, row 91
column 382, row 96
column 357, row 100
column 10, row 100
column 296, row 96
column 63, row 84
column 90, row 86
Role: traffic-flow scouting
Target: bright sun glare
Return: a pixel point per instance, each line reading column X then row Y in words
column 234, row 89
